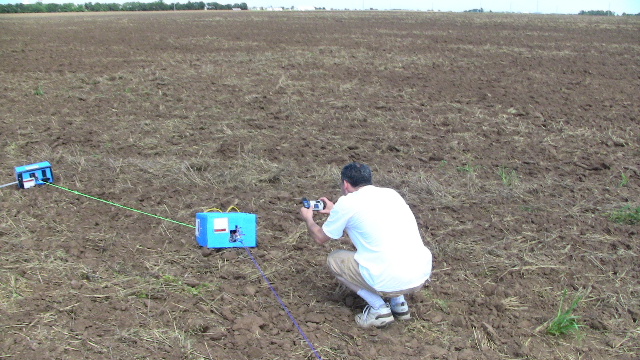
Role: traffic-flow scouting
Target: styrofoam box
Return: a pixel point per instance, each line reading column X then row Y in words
column 226, row 230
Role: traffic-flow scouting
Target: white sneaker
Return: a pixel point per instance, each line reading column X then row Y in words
column 401, row 311
column 374, row 317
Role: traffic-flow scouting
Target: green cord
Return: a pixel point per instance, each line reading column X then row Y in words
column 122, row 206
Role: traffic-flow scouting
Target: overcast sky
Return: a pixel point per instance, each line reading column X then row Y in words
column 526, row 6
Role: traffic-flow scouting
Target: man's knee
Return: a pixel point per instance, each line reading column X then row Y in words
column 332, row 260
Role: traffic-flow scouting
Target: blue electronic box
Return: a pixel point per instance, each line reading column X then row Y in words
column 226, row 230
column 34, row 174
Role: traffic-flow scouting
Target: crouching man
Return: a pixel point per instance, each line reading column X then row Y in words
column 390, row 258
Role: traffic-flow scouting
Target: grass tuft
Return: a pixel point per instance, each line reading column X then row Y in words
column 565, row 322
column 627, row 215
column 509, row 176
column 38, row 91
column 624, row 181
column 467, row 168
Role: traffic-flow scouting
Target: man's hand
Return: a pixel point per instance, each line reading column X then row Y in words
column 327, row 207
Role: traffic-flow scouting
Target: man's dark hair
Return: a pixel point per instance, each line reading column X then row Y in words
column 357, row 174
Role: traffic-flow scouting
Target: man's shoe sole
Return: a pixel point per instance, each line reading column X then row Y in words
column 378, row 322
column 402, row 316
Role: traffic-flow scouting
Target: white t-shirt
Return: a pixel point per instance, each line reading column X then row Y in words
column 384, row 231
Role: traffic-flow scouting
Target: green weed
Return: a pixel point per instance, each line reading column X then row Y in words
column 38, row 91
column 565, row 322
column 12, row 287
column 509, row 176
column 467, row 168
column 142, row 295
column 197, row 290
column 530, row 209
column 169, row 281
column 627, row 215
column 442, row 304
column 624, row 181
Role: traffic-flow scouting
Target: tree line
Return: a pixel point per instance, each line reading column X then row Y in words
column 603, row 13
column 128, row 6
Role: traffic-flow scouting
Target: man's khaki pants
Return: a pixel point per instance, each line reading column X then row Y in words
column 345, row 268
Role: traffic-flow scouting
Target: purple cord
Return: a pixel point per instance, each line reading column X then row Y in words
column 284, row 306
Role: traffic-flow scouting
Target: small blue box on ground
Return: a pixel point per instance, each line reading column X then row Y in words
column 34, row 174
column 226, row 230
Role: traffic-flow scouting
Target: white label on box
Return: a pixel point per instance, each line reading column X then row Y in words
column 28, row 183
column 221, row 225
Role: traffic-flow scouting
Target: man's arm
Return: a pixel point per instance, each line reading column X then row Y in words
column 315, row 230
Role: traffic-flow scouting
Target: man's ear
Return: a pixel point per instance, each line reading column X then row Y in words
column 347, row 187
